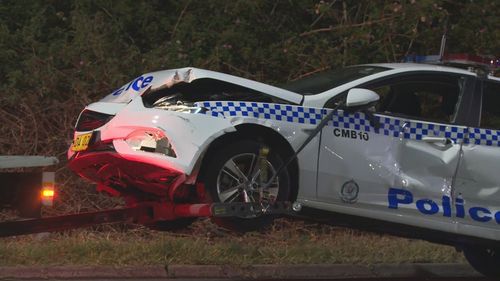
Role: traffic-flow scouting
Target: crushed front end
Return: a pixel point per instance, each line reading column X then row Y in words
column 149, row 136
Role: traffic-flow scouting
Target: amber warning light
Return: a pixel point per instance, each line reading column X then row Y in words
column 48, row 188
column 47, row 193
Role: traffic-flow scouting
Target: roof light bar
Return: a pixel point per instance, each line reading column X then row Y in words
column 432, row 59
column 486, row 63
column 467, row 59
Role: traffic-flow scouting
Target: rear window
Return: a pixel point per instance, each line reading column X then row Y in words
column 321, row 82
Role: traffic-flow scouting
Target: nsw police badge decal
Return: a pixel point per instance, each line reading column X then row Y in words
column 349, row 192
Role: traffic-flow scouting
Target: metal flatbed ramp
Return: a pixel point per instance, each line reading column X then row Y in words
column 59, row 223
column 144, row 213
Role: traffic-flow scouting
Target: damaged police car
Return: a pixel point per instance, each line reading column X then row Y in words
column 408, row 149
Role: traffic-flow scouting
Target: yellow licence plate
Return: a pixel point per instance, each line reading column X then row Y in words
column 81, row 142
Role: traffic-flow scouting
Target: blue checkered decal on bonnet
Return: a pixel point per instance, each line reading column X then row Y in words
column 389, row 126
column 279, row 112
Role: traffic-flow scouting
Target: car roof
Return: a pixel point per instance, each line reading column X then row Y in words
column 318, row 100
column 497, row 79
column 424, row 67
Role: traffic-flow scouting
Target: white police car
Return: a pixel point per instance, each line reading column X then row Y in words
column 425, row 165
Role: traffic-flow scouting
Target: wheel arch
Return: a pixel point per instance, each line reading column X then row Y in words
column 261, row 134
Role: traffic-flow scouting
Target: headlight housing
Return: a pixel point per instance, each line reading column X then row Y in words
column 173, row 103
column 150, row 141
column 184, row 109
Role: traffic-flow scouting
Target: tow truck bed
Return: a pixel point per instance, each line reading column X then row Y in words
column 143, row 213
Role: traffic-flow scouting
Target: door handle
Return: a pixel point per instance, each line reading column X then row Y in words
column 438, row 140
column 405, row 127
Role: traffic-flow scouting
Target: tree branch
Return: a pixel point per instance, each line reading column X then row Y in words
column 333, row 28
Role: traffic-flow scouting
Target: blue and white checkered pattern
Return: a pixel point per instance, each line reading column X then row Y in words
column 389, row 126
column 483, row 137
column 355, row 121
column 279, row 112
column 397, row 127
column 456, row 133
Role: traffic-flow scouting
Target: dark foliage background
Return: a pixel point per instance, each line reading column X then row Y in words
column 57, row 56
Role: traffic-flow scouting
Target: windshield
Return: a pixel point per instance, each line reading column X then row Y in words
column 318, row 83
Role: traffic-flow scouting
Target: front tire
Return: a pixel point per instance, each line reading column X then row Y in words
column 485, row 260
column 236, row 172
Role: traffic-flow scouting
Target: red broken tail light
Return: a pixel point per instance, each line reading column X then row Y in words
column 91, row 120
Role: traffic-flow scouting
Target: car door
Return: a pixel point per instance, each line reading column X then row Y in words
column 478, row 177
column 403, row 170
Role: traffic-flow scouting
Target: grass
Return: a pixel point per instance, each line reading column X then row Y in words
column 287, row 243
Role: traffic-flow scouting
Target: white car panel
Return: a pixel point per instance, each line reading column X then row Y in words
column 110, row 108
column 478, row 180
column 388, row 166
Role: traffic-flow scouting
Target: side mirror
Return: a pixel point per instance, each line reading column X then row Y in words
column 361, row 98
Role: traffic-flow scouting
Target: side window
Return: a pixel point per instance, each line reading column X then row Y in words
column 433, row 100
column 490, row 105
column 432, row 97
